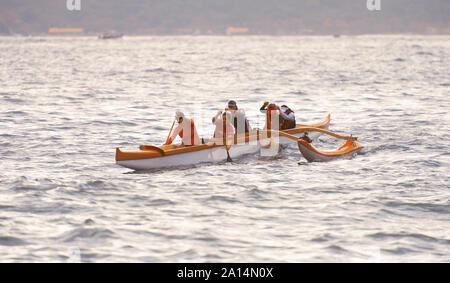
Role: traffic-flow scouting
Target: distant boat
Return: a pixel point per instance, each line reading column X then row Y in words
column 110, row 35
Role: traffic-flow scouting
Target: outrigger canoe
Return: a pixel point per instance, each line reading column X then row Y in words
column 312, row 154
column 154, row 157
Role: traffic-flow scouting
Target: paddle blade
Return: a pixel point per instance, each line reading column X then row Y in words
column 228, row 153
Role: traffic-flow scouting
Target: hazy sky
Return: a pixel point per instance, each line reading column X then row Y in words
column 214, row 16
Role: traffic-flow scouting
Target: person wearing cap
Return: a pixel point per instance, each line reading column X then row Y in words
column 272, row 112
column 238, row 118
column 286, row 116
column 186, row 130
column 222, row 121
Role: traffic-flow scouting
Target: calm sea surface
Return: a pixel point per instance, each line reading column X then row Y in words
column 67, row 103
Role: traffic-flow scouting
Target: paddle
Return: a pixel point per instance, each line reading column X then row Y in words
column 170, row 132
column 224, row 136
column 227, row 147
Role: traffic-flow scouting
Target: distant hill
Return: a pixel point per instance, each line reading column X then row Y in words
column 214, row 16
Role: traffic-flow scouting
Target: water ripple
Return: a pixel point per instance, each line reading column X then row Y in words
column 60, row 186
column 11, row 241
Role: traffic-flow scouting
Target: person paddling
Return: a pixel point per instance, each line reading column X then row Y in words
column 272, row 112
column 238, row 118
column 186, row 130
column 222, row 121
column 286, row 117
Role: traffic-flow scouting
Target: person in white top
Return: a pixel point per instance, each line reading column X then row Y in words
column 186, row 130
column 238, row 118
column 222, row 121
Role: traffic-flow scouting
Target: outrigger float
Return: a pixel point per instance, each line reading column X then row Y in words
column 218, row 150
column 312, row 154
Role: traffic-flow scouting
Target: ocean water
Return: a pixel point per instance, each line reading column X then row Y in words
column 66, row 103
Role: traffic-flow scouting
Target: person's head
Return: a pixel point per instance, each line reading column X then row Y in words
column 285, row 109
column 232, row 105
column 179, row 116
column 272, row 106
